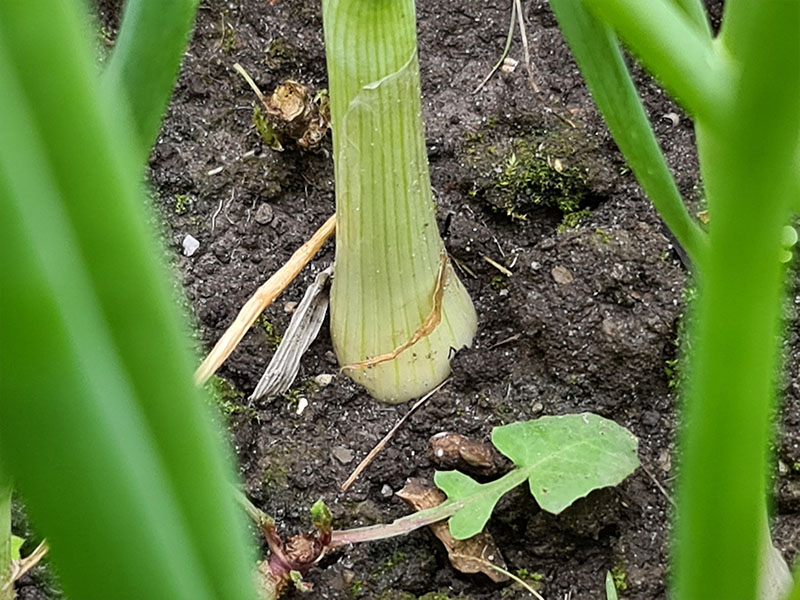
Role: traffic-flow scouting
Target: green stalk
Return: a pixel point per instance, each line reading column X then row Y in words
column 748, row 165
column 696, row 12
column 669, row 42
column 597, row 51
column 6, row 587
column 110, row 444
column 145, row 61
column 387, row 245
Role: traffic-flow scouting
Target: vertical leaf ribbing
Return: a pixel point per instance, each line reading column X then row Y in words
column 387, row 244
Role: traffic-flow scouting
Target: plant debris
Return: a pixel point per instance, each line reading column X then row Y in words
column 477, row 554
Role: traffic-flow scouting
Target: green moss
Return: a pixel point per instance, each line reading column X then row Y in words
column 279, row 53
column 304, row 389
column 182, row 202
column 620, row 578
column 265, row 129
column 273, row 337
column 356, row 587
column 572, row 220
column 395, row 595
column 528, row 576
column 228, row 399
column 499, row 282
column 526, row 174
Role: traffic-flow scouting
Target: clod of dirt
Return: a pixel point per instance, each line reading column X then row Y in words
column 455, row 451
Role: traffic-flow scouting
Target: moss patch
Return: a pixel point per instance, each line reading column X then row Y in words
column 530, row 172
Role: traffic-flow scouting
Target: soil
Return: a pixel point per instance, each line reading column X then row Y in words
column 588, row 321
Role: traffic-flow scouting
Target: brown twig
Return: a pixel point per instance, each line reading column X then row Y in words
column 525, row 48
column 263, row 297
column 22, row 566
column 382, row 444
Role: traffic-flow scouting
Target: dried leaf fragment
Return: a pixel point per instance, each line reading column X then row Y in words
column 474, row 555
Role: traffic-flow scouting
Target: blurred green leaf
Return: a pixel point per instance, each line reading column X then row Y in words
column 111, row 446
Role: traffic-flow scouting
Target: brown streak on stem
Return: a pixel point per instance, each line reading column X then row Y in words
column 430, row 323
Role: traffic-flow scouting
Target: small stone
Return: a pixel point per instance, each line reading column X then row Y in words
column 536, row 265
column 342, row 454
column 665, row 460
column 537, row 408
column 387, row 491
column 264, row 214
column 610, row 328
column 783, row 469
column 302, row 404
column 323, row 380
column 561, row 275
column 672, row 118
column 348, row 576
column 190, row 245
column 290, row 307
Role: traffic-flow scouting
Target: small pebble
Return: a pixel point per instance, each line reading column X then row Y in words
column 302, row 404
column 190, row 245
column 536, row 265
column 386, row 490
column 323, row 380
column 290, row 307
column 783, row 469
column 673, row 118
column 342, row 454
column 561, row 275
column 537, row 408
column 264, row 214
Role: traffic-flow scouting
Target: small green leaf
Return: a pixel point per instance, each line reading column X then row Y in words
column 566, row 457
column 479, row 499
column 321, row 516
column 16, row 544
column 611, row 589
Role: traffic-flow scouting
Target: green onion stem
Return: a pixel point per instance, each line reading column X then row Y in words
column 670, row 44
column 6, row 587
column 145, row 61
column 748, row 165
column 387, row 245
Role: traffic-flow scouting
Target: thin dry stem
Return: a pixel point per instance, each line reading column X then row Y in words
column 382, row 444
column 525, row 48
column 264, row 296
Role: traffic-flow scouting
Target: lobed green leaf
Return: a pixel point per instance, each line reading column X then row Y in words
column 563, row 458
column 568, row 456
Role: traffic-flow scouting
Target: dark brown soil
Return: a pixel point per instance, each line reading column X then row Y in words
column 587, row 322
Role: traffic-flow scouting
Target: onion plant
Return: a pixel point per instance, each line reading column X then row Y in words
column 397, row 308
column 101, row 429
column 742, row 89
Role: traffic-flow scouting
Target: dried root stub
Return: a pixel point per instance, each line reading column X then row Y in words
column 293, row 112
